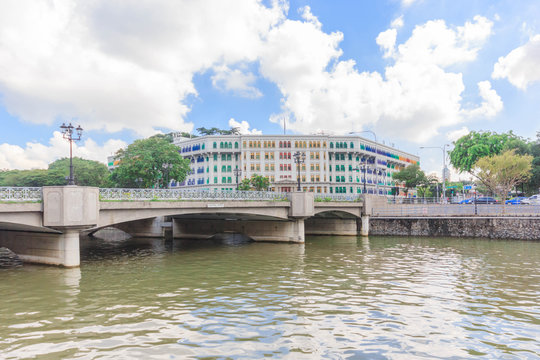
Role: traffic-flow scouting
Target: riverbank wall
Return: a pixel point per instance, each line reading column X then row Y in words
column 520, row 228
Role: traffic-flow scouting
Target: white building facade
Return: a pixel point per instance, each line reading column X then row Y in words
column 333, row 164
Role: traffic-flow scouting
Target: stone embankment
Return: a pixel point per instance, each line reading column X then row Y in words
column 522, row 228
column 8, row 258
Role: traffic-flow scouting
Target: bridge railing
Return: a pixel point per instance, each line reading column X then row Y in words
column 336, row 197
column 181, row 194
column 20, row 194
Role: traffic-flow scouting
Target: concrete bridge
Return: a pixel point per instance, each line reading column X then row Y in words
column 44, row 225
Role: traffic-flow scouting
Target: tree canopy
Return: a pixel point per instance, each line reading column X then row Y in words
column 151, row 162
column 256, row 182
column 477, row 144
column 86, row 172
column 411, row 176
column 216, row 131
column 500, row 173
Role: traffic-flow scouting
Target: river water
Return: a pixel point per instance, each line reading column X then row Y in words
column 332, row 297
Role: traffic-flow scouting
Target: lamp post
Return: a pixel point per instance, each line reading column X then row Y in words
column 237, row 173
column 299, row 158
column 67, row 133
column 443, row 148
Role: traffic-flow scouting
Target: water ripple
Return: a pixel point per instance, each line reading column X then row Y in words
column 334, row 297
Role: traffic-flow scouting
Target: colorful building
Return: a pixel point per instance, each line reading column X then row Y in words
column 333, row 164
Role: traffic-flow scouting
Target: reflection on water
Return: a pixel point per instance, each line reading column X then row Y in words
column 334, row 297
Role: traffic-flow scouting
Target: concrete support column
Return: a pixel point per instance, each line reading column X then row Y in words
column 44, row 248
column 364, row 230
column 69, row 251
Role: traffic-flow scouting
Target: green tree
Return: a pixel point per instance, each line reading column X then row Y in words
column 500, row 173
column 26, row 178
column 477, row 144
column 245, row 185
column 256, row 182
column 259, row 182
column 411, row 177
column 149, row 162
column 216, row 131
column 86, row 172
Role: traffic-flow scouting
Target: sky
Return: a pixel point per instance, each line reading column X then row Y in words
column 417, row 73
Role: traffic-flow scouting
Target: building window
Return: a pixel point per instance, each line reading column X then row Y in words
column 236, row 144
column 215, row 145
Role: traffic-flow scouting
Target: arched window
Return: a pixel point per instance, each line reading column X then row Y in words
column 352, row 145
column 288, row 144
column 280, row 144
column 331, row 145
column 230, row 145
column 215, row 145
column 236, row 144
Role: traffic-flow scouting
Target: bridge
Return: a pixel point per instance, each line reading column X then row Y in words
column 43, row 225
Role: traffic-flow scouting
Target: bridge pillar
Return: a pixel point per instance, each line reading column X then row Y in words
column 44, row 248
column 364, row 230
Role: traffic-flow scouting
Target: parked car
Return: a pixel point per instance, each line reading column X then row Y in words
column 533, row 200
column 467, row 201
column 515, row 201
column 485, row 200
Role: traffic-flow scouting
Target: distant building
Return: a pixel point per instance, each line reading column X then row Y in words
column 333, row 164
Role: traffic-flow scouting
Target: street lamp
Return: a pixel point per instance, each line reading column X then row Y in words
column 67, row 133
column 237, row 173
column 299, row 158
column 443, row 148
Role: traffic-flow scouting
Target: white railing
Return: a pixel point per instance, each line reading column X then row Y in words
column 181, row 194
column 20, row 194
column 443, row 210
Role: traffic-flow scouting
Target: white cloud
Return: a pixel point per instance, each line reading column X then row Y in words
column 397, row 22
column 456, row 134
column 491, row 104
column 416, row 96
column 243, row 126
column 386, row 41
column 407, row 3
column 114, row 65
column 521, row 66
column 235, row 81
column 38, row 156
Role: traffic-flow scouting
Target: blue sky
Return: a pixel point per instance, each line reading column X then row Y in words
column 417, row 72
